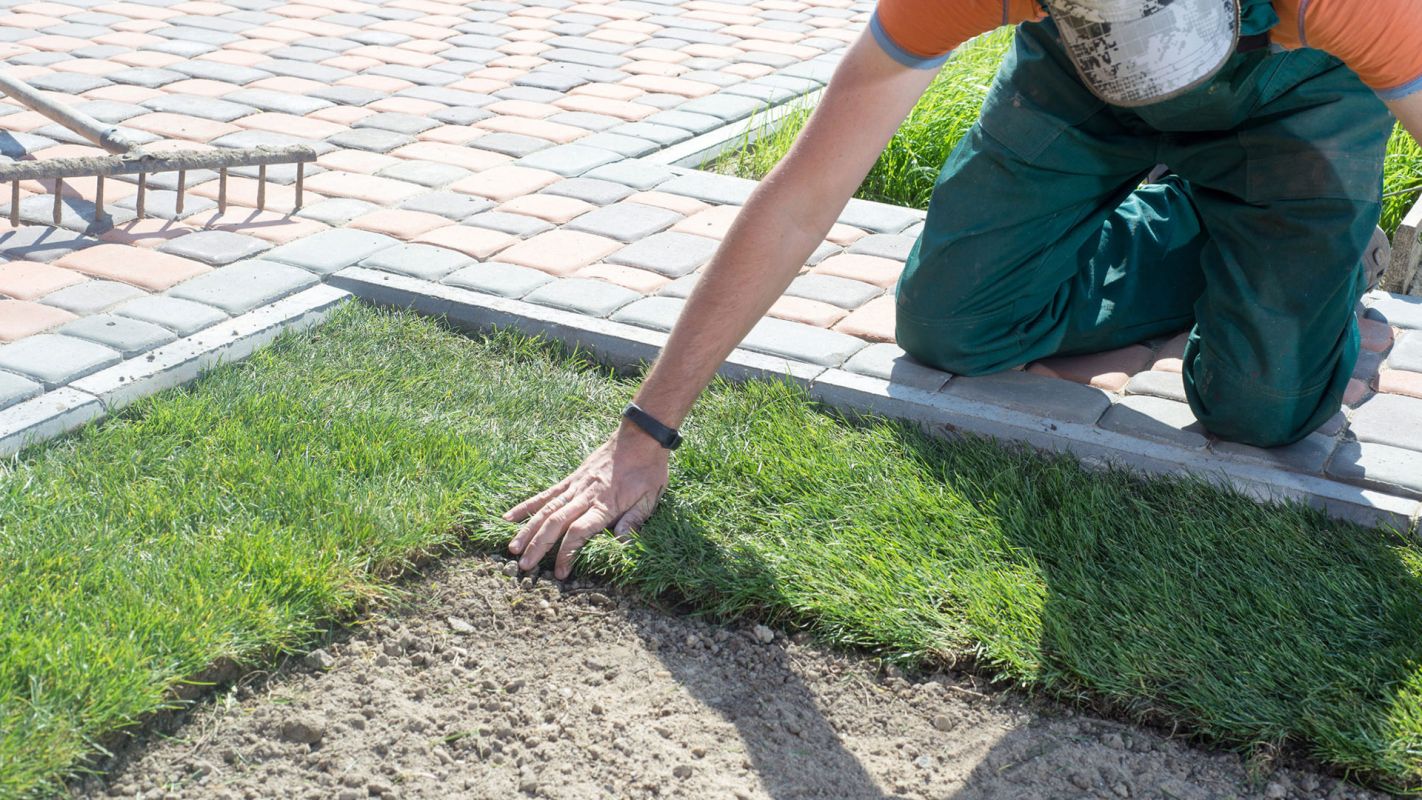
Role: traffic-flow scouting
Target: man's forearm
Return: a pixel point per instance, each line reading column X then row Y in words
column 1408, row 111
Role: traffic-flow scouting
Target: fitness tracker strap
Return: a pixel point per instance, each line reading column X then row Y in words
column 665, row 436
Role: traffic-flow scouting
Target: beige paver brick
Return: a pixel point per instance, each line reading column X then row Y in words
column 21, row 318
column 810, row 312
column 119, row 93
column 450, row 134
column 1169, row 358
column 141, row 267
column 372, row 189
column 341, row 115
column 406, row 105
column 751, row 71
column 377, row 83
column 1109, row 370
column 602, row 105
column 356, row 161
column 638, row 280
column 270, row 226
column 559, row 252
column 522, row 108
column 548, row 207
column 290, row 124
column 25, row 280
column 455, row 155
column 883, row 272
column 668, row 85
column 243, row 192
column 505, row 183
column 654, row 68
column 538, row 128
column 351, row 63
column 148, row 232
column 201, row 87
column 1391, row 381
column 518, row 64
column 611, row 91
column 844, row 235
column 399, row 223
column 179, row 126
column 479, row 85
column 686, row 206
column 467, row 239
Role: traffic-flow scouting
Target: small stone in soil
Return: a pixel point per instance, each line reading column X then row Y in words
column 303, row 730
column 763, row 634
column 510, row 569
column 319, row 659
column 682, row 771
column 943, row 722
column 459, row 626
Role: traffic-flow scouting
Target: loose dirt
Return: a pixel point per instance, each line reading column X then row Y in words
column 497, row 686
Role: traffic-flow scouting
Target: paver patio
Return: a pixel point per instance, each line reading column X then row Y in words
column 506, row 162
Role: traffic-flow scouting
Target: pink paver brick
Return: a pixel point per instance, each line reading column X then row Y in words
column 751, row 71
column 810, row 312
column 873, row 321
column 1390, row 381
column 450, row 134
column 638, row 280
column 372, row 189
column 518, row 51
column 548, row 207
column 669, row 85
column 656, row 54
column 290, row 125
column 25, row 280
column 351, row 63
column 1171, row 354
column 685, row 206
column 21, row 318
column 399, row 223
column 611, row 91
column 243, row 192
column 601, row 105
column 362, row 161
column 758, row 32
column 1377, row 336
column 713, row 222
column 406, row 105
column 1356, row 392
column 201, row 87
column 844, row 235
column 882, row 272
column 522, row 108
column 470, row 158
column 394, row 55
column 619, row 36
column 539, row 128
column 505, row 183
column 341, row 115
column 141, row 267
column 149, row 232
column 1109, row 370
column 147, row 58
column 178, row 126
column 467, row 239
column 118, row 93
column 269, row 226
column 654, row 68
column 559, row 252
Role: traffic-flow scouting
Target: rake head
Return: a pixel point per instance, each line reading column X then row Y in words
column 131, row 159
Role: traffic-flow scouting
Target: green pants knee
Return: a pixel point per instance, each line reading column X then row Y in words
column 1040, row 239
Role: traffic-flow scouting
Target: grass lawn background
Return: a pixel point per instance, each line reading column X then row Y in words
column 230, row 520
column 905, row 173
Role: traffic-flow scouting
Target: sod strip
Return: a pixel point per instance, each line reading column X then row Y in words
column 230, row 520
column 904, row 174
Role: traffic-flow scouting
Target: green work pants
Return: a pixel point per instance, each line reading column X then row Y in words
column 1041, row 240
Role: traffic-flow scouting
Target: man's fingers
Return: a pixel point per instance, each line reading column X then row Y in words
column 636, row 515
column 532, row 504
column 548, row 532
column 594, row 521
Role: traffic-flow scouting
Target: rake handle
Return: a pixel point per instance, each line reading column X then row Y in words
column 106, row 136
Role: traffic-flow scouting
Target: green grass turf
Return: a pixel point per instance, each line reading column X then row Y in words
column 905, row 173
column 231, row 520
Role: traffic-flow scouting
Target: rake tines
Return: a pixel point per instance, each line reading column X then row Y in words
column 131, row 159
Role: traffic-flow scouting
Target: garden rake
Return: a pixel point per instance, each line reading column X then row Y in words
column 131, row 159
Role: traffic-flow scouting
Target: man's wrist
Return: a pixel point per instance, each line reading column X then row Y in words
column 658, row 431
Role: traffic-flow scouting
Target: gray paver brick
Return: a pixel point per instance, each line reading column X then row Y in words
column 15, row 389
column 241, row 287
column 584, row 57
column 311, row 72
column 672, row 253
column 769, row 95
column 1307, row 455
column 197, row 106
column 16, row 145
column 408, row 124
column 1155, row 418
column 215, row 71
column 695, row 123
column 640, row 175
column 347, row 95
column 662, row 135
column 586, row 120
column 504, row 280
column 461, row 115
column 708, row 70
column 889, row 362
column 183, row 317
column 823, row 251
column 549, row 79
column 337, row 210
column 656, row 313
column 1407, row 352
column 453, row 205
column 55, row 360
column 328, row 251
column 589, row 190
column 515, row 224
column 628, row 146
column 163, row 203
column 1039, row 395
column 373, row 140
column 42, row 243
column 877, row 217
column 884, row 245
column 215, row 247
column 711, row 188
column 282, row 102
column 582, row 295
column 801, row 342
column 727, row 108
column 625, row 222
column 1389, row 419
column 91, row 297
column 422, row 261
column 147, row 77
column 1169, row 385
column 568, row 160
column 425, row 173
column 532, row 94
column 836, row 291
column 128, row 336
column 449, row 97
column 110, row 111
column 424, row 77
column 511, row 144
column 681, row 287
column 1398, row 310
column 67, row 82
column 1390, row 467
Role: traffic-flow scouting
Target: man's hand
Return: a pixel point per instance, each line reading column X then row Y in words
column 617, row 487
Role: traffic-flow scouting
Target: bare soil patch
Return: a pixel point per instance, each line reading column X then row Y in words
column 493, row 686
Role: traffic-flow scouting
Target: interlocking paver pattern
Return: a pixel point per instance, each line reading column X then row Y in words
column 511, row 148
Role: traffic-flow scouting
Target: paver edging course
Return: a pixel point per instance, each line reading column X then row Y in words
column 629, row 347
column 1404, row 273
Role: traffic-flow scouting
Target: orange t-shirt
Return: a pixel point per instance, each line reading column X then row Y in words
column 1383, row 45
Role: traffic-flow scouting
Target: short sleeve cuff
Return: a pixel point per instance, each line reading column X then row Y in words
column 1405, row 90
column 897, row 52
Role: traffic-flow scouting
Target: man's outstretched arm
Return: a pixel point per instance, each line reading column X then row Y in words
column 783, row 221
column 1408, row 111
